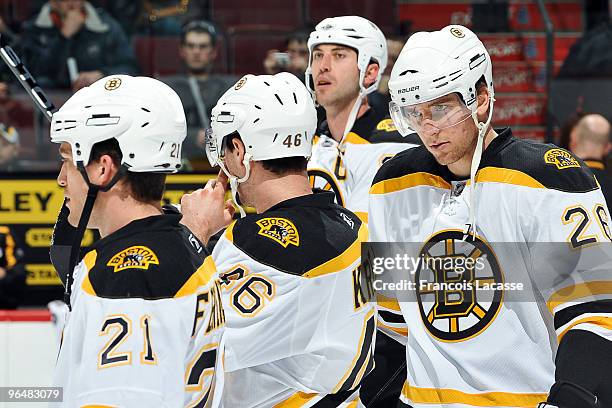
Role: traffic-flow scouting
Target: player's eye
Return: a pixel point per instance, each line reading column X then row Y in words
column 439, row 108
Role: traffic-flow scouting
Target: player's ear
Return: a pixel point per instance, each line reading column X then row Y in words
column 104, row 169
column 483, row 97
column 371, row 74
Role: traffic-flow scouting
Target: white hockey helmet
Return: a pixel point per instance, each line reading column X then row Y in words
column 145, row 116
column 355, row 32
column 274, row 115
column 435, row 64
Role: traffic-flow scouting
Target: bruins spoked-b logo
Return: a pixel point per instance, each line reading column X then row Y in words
column 280, row 230
column 560, row 158
column 452, row 286
column 112, row 84
column 139, row 257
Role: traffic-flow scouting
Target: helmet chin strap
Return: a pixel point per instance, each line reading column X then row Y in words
column 482, row 132
column 234, row 181
column 92, row 194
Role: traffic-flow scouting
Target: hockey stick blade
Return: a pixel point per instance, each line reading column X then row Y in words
column 26, row 79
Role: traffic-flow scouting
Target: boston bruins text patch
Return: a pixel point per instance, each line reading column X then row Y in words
column 560, row 158
column 139, row 257
column 280, row 230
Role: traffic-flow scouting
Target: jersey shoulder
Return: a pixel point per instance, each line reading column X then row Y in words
column 152, row 258
column 409, row 163
column 546, row 165
column 299, row 238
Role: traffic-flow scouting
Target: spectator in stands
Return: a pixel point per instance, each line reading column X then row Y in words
column 198, row 88
column 9, row 147
column 167, row 17
column 12, row 113
column 295, row 57
column 590, row 56
column 12, row 273
column 590, row 141
column 66, row 29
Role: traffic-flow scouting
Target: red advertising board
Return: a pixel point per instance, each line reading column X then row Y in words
column 520, row 76
column 523, row 15
column 526, row 47
column 521, row 109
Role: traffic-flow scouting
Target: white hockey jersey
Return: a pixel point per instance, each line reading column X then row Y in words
column 542, row 222
column 348, row 168
column 300, row 326
column 146, row 322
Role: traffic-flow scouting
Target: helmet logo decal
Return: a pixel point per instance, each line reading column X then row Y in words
column 327, row 27
column 457, row 32
column 406, row 90
column 112, row 84
column 240, row 83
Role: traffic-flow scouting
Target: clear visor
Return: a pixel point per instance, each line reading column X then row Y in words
column 439, row 114
column 212, row 149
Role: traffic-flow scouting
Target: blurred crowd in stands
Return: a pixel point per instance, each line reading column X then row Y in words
column 69, row 44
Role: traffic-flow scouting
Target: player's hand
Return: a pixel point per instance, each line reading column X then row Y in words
column 72, row 23
column 2, row 272
column 205, row 211
column 86, row 78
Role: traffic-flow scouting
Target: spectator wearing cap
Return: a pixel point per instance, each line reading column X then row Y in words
column 197, row 87
column 74, row 33
column 590, row 141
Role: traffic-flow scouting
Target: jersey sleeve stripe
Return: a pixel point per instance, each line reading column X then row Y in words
column 89, row 260
column 573, row 292
column 387, row 303
column 570, row 313
column 362, row 357
column 391, row 317
column 297, row 400
column 601, row 321
column 506, row 176
column 200, row 278
column 397, row 330
column 485, row 399
column 408, row 181
column 344, row 260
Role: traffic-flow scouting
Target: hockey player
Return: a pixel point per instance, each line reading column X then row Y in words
column 146, row 318
column 348, row 55
column 532, row 213
column 299, row 324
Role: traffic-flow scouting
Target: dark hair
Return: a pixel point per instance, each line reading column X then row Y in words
column 199, row 26
column 145, row 187
column 280, row 167
column 299, row 35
